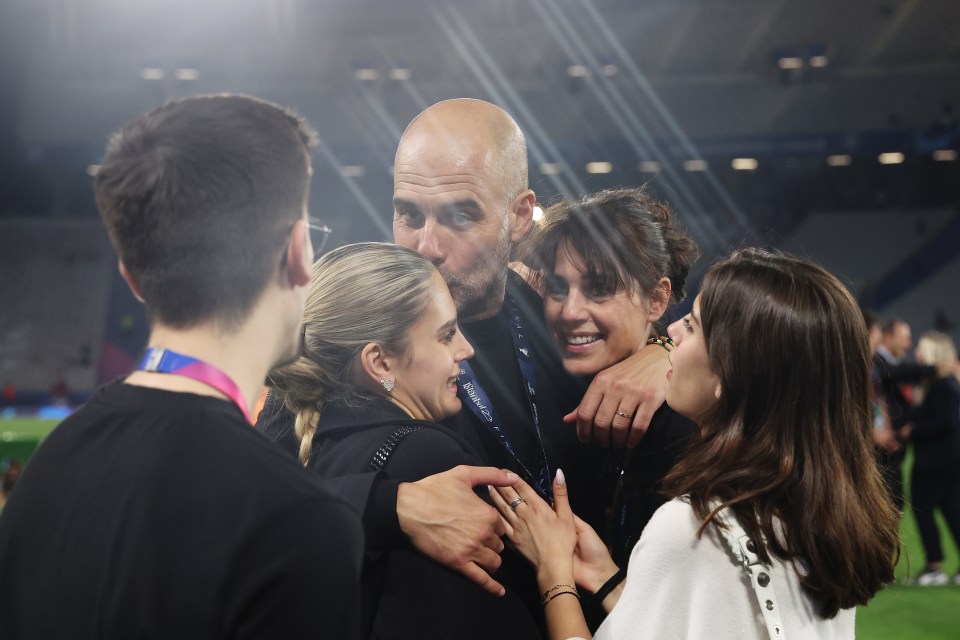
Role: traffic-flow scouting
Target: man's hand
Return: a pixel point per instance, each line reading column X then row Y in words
column 447, row 522
column 635, row 387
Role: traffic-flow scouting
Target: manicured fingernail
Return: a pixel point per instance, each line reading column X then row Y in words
column 511, row 477
column 560, row 479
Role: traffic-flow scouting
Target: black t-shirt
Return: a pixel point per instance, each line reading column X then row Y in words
column 157, row 514
column 557, row 393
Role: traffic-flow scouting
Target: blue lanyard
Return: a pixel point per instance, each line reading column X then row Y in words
column 165, row 361
column 474, row 396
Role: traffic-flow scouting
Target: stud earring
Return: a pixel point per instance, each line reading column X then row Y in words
column 387, row 384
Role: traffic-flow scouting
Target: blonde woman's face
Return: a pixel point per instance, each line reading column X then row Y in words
column 426, row 382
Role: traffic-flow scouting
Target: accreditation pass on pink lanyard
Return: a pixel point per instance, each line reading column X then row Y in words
column 166, row 361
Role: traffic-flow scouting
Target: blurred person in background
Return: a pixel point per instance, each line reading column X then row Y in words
column 779, row 524
column 897, row 379
column 934, row 431
column 10, row 476
column 883, row 434
column 156, row 510
column 377, row 373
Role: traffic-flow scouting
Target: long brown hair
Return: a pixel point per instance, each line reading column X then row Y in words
column 789, row 438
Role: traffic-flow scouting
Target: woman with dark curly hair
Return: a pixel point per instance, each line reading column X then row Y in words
column 609, row 266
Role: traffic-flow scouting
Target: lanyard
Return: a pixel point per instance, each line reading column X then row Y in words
column 166, row 361
column 474, row 396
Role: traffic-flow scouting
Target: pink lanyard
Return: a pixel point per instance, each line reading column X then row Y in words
column 166, row 361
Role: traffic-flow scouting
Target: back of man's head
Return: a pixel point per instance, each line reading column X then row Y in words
column 199, row 197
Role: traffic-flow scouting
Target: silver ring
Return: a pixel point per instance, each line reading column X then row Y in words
column 624, row 415
column 516, row 503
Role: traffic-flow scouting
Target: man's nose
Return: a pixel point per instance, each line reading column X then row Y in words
column 429, row 244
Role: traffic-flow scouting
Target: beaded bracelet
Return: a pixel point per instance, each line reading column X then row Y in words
column 663, row 341
column 561, row 593
column 543, row 598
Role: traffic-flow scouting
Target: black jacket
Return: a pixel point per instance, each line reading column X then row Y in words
column 407, row 595
column 936, row 427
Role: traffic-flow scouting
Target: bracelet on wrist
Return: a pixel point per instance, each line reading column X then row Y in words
column 663, row 341
column 543, row 598
column 547, row 601
column 610, row 585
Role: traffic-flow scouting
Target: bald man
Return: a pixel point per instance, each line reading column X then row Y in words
column 461, row 198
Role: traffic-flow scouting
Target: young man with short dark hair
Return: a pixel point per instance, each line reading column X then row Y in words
column 156, row 510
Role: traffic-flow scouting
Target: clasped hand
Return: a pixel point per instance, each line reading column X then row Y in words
column 554, row 540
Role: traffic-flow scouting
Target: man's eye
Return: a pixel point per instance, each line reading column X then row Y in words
column 409, row 217
column 460, row 218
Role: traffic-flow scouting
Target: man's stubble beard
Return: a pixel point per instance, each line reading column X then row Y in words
column 480, row 295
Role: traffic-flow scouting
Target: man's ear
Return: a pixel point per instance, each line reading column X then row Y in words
column 659, row 299
column 299, row 265
column 376, row 363
column 134, row 287
column 521, row 215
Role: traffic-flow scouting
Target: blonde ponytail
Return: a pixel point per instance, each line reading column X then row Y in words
column 363, row 293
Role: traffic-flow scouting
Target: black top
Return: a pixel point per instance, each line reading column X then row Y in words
column 636, row 479
column 557, row 394
column 156, row 514
column 936, row 427
column 407, row 595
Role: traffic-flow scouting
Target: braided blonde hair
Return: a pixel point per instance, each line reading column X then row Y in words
column 369, row 292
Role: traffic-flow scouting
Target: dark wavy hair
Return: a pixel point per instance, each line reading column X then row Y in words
column 627, row 239
column 789, row 438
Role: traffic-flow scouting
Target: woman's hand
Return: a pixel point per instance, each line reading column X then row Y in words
column 592, row 564
column 545, row 535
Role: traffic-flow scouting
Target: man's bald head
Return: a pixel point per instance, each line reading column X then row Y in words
column 460, row 198
column 475, row 133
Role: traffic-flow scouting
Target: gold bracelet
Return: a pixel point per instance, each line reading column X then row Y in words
column 663, row 341
column 561, row 593
column 543, row 598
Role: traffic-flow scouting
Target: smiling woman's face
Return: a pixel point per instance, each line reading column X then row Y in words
column 594, row 329
column 426, row 382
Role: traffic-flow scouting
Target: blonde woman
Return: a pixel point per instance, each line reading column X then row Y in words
column 378, row 370
column 934, row 431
